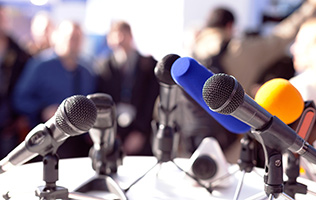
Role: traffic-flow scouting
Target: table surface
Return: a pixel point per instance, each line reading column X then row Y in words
column 165, row 181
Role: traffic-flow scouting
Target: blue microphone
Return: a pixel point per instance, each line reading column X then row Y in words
column 191, row 76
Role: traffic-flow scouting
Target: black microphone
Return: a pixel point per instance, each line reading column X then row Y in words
column 164, row 143
column 106, row 152
column 223, row 94
column 74, row 116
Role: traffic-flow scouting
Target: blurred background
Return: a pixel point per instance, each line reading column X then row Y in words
column 160, row 26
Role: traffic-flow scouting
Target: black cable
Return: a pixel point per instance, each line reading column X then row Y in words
column 126, row 190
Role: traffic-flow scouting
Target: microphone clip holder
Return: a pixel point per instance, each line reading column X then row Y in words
column 166, row 143
column 50, row 176
column 273, row 176
column 247, row 160
column 106, row 162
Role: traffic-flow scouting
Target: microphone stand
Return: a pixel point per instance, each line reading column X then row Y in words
column 106, row 153
column 50, row 176
column 105, row 164
column 291, row 186
column 305, row 124
column 247, row 160
column 273, row 176
column 166, row 138
column 164, row 148
column 50, row 191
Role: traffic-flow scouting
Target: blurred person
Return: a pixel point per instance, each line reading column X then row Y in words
column 216, row 48
column 129, row 78
column 45, row 85
column 304, row 51
column 41, row 29
column 12, row 61
column 246, row 58
column 41, row 44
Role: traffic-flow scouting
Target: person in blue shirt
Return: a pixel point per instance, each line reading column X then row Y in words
column 45, row 85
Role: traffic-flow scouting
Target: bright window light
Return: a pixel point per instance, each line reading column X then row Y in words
column 39, row 2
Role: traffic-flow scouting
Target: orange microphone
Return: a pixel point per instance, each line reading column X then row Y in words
column 279, row 97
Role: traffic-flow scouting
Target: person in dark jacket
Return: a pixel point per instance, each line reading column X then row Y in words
column 13, row 127
column 129, row 78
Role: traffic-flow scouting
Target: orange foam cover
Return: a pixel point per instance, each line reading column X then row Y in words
column 279, row 97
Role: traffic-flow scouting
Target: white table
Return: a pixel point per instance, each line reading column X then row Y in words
column 162, row 182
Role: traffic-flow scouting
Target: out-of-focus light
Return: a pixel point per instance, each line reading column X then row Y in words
column 39, row 2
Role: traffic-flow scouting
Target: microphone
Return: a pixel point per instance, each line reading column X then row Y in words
column 224, row 94
column 168, row 90
column 279, row 97
column 105, row 153
column 165, row 142
column 74, row 116
column 191, row 76
column 103, row 132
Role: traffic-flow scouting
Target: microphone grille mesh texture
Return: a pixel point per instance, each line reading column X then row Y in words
column 221, row 94
column 76, row 115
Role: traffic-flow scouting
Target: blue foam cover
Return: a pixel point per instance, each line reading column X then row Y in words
column 191, row 76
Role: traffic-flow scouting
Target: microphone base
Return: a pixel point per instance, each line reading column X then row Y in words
column 50, row 176
column 291, row 186
column 52, row 193
column 104, row 185
column 294, row 188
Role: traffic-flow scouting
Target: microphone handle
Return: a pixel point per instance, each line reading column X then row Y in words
column 280, row 136
column 19, row 155
column 168, row 104
column 38, row 141
column 308, row 152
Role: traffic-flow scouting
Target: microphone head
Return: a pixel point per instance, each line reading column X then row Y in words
column 163, row 68
column 105, row 110
column 279, row 97
column 76, row 115
column 223, row 93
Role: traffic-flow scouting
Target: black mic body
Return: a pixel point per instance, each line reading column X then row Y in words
column 164, row 144
column 106, row 152
column 74, row 116
column 223, row 94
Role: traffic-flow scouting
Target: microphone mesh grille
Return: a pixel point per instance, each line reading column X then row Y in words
column 218, row 90
column 79, row 112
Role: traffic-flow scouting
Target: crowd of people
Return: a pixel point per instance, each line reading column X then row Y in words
column 36, row 78
column 50, row 68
